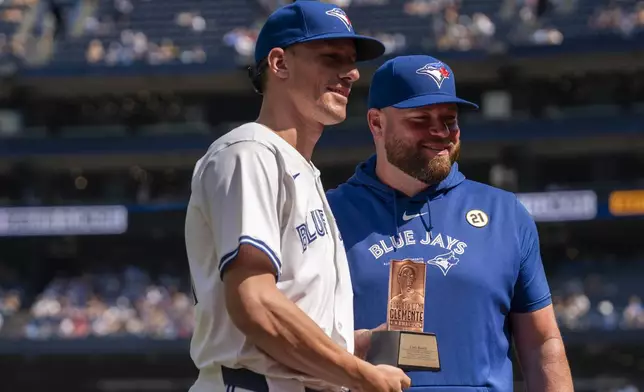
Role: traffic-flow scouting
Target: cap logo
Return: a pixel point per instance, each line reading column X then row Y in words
column 437, row 71
column 340, row 14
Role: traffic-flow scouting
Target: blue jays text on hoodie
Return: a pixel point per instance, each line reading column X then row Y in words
column 481, row 248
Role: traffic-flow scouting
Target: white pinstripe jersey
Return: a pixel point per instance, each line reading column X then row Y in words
column 253, row 187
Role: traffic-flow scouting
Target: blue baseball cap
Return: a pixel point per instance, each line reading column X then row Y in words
column 406, row 82
column 306, row 21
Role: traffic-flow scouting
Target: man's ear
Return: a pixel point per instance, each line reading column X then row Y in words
column 375, row 119
column 277, row 63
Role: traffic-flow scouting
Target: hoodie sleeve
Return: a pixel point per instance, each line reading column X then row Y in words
column 531, row 290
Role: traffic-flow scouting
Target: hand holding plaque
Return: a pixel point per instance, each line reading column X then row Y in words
column 404, row 344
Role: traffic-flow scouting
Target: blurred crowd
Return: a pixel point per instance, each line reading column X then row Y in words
column 10, row 302
column 127, row 303
column 113, row 36
column 576, row 311
column 115, row 32
column 452, row 29
column 619, row 17
column 453, row 25
column 130, row 302
column 595, row 299
column 11, row 295
column 117, row 41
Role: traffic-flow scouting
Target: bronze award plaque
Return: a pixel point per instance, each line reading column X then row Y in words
column 404, row 344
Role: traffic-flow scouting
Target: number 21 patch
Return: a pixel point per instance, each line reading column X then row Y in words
column 477, row 218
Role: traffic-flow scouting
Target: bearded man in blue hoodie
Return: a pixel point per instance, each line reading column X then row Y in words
column 485, row 281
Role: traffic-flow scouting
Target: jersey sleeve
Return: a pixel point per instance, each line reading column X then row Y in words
column 531, row 290
column 241, row 185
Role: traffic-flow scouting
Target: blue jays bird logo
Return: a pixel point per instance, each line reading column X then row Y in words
column 340, row 14
column 445, row 261
column 437, row 71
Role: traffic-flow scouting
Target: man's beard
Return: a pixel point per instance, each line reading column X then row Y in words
column 411, row 160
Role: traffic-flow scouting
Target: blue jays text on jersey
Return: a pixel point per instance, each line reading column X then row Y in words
column 452, row 246
column 483, row 261
column 312, row 228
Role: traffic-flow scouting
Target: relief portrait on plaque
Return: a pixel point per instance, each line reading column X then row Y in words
column 406, row 295
column 407, row 276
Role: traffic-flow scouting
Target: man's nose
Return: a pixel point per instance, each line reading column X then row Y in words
column 439, row 129
column 351, row 75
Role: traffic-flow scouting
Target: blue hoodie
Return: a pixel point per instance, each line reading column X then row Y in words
column 483, row 262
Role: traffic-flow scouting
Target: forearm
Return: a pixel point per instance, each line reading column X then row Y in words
column 546, row 368
column 280, row 329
